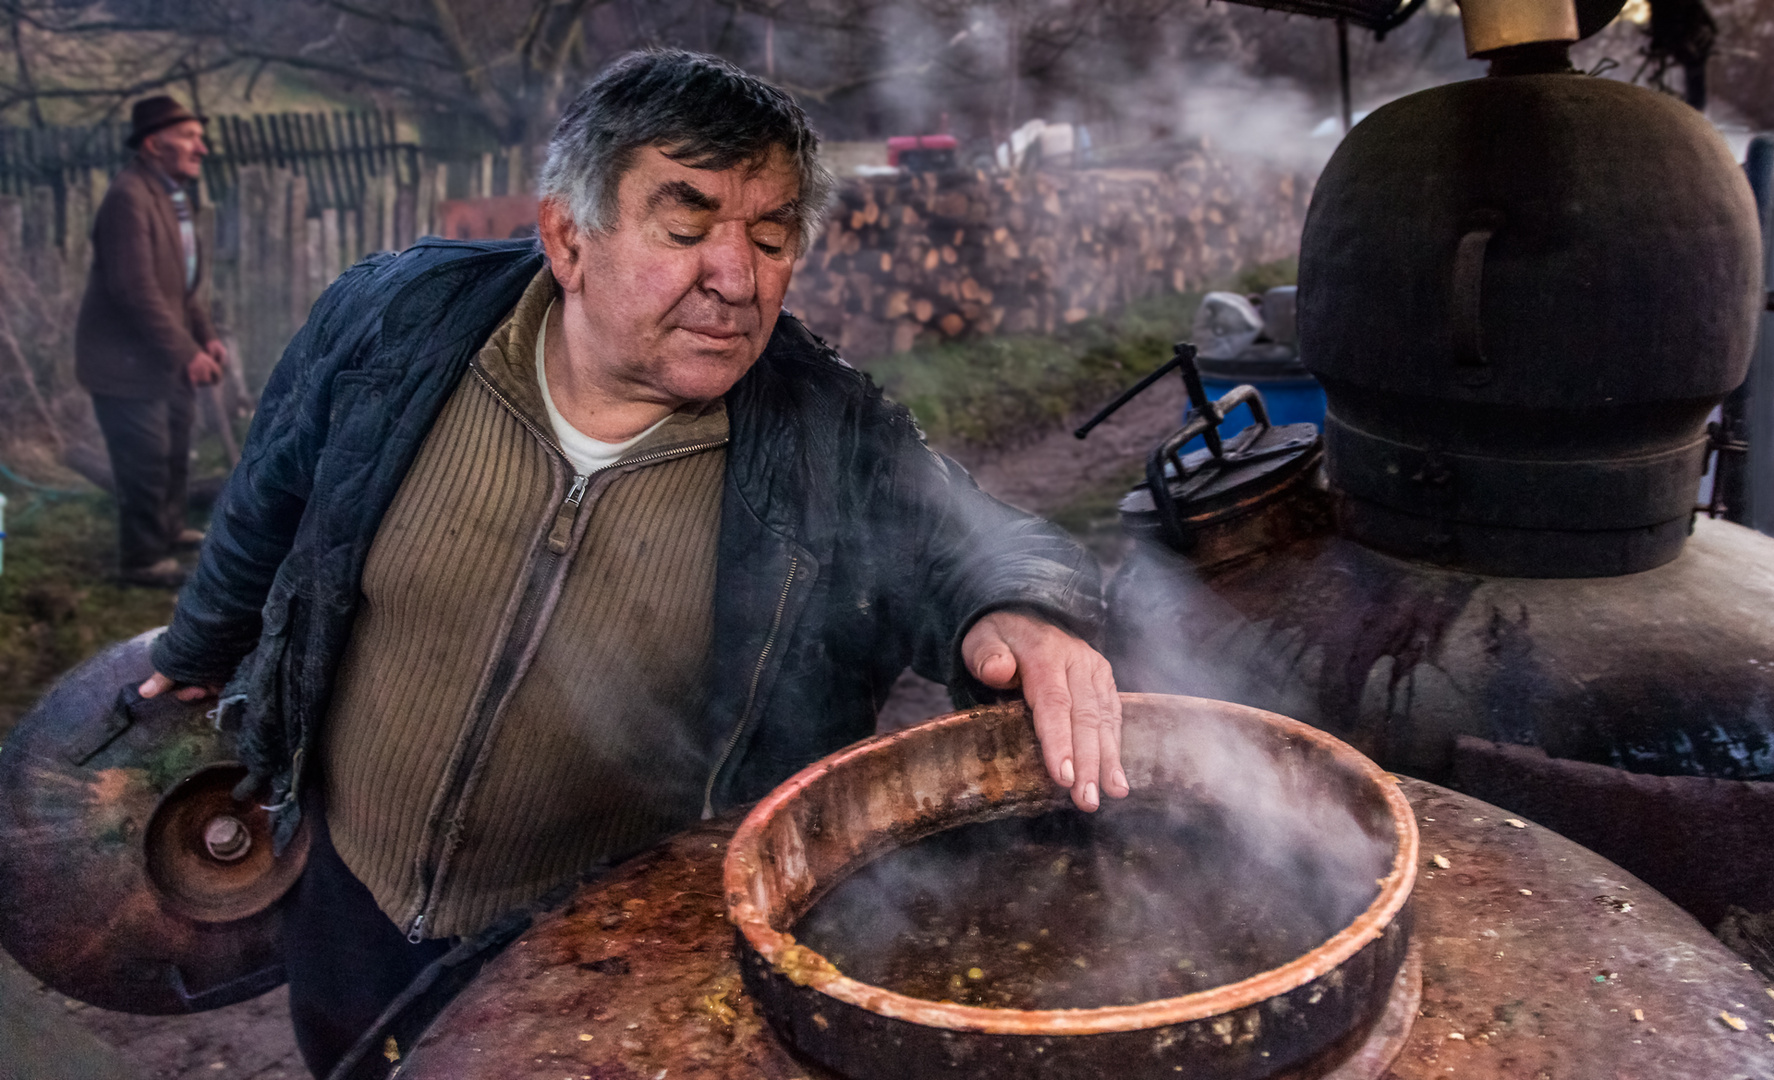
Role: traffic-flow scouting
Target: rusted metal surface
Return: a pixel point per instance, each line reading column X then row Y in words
column 1666, row 672
column 643, row 963
column 108, row 889
column 985, row 763
column 636, row 973
column 1538, row 955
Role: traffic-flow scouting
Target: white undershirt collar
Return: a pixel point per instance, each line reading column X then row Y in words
column 586, row 454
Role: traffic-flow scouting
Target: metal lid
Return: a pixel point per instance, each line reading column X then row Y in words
column 130, row 876
column 1256, row 465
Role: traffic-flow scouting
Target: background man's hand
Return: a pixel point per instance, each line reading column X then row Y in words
column 203, row 369
column 1071, row 690
column 158, row 684
column 217, row 352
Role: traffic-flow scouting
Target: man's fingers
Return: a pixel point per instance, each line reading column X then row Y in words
column 1071, row 691
column 1114, row 776
column 988, row 656
column 1087, row 722
column 155, row 685
column 997, row 670
column 1052, row 706
column 1066, row 723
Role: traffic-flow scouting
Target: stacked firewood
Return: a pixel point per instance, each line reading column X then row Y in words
column 908, row 260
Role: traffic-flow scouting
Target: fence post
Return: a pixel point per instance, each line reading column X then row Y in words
column 295, row 209
column 387, row 203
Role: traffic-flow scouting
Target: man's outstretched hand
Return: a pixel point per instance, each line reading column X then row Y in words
column 1071, row 690
column 158, row 684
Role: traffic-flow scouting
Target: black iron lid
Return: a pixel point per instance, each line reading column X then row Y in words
column 1256, row 464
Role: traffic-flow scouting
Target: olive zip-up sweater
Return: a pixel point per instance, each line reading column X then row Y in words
column 518, row 699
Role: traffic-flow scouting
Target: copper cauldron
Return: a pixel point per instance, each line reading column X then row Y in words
column 1340, row 1010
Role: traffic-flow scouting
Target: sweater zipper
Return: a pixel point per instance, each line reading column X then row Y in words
column 523, row 627
column 751, row 695
column 517, row 640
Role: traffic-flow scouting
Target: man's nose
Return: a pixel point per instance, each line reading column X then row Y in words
column 729, row 266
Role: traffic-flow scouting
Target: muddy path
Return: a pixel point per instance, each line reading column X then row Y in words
column 1054, row 470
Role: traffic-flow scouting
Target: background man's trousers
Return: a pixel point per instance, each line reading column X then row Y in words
column 149, row 440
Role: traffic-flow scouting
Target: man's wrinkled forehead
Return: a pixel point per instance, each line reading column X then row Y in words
column 684, row 194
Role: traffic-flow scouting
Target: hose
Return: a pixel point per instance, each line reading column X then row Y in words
column 43, row 491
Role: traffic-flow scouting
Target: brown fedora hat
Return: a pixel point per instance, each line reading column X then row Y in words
column 151, row 114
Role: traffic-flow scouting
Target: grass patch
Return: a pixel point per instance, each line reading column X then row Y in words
column 59, row 599
column 996, row 391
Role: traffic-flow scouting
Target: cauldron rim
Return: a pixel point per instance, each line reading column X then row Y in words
column 772, row 945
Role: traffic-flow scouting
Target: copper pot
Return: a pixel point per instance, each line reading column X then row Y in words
column 1309, row 1017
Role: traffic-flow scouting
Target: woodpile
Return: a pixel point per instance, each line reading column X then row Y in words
column 910, row 260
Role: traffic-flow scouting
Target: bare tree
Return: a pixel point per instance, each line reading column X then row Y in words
column 78, row 61
column 505, row 65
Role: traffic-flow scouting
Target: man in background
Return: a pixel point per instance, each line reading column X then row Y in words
column 144, row 339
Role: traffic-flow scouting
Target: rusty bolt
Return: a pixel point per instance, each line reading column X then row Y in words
column 227, row 838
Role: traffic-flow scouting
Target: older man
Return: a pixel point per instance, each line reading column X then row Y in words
column 541, row 558
column 144, row 337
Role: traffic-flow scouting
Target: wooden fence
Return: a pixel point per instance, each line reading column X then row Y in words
column 287, row 202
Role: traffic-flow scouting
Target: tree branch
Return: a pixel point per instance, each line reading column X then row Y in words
column 351, row 73
column 472, row 71
column 385, row 18
column 177, row 73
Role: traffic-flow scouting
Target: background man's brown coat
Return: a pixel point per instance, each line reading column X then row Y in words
column 139, row 325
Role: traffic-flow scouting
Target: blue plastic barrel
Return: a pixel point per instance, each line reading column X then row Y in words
column 1292, row 395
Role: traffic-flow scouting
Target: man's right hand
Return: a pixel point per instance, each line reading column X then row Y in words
column 158, row 684
column 203, row 369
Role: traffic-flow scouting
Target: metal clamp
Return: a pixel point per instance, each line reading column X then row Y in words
column 1204, row 419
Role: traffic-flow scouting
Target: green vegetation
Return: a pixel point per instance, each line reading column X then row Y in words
column 59, row 600
column 993, row 391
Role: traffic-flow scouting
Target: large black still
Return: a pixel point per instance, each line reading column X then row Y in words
column 1522, row 295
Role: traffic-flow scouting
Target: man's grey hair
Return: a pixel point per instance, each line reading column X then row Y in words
column 700, row 111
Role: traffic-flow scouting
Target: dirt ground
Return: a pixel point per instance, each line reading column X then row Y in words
column 1052, row 474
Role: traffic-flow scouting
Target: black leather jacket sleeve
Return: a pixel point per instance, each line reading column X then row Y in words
column 255, row 523
column 969, row 554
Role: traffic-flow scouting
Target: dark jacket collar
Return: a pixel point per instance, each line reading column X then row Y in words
column 152, row 172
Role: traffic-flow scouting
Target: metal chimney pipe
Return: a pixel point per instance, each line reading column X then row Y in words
column 1499, row 24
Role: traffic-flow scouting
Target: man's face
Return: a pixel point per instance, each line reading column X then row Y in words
column 177, row 150
column 681, row 294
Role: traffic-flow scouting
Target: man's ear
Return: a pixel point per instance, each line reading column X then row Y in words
column 563, row 242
